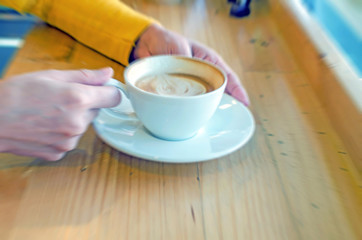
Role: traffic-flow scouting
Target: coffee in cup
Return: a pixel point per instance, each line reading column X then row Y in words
column 173, row 96
column 174, row 84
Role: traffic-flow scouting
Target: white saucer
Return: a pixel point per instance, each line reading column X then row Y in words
column 230, row 128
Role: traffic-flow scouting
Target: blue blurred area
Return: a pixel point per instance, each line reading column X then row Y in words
column 6, row 53
column 13, row 27
column 309, row 4
column 345, row 36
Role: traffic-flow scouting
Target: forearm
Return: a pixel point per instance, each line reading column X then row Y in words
column 108, row 26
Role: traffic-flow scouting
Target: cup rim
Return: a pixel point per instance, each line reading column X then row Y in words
column 137, row 61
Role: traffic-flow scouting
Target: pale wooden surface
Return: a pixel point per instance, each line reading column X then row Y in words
column 294, row 180
column 327, row 74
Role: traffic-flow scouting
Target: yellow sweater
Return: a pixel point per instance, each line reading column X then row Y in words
column 108, row 26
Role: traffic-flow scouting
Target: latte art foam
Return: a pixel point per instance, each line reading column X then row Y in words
column 173, row 85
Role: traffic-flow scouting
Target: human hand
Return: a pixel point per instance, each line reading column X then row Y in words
column 157, row 40
column 44, row 114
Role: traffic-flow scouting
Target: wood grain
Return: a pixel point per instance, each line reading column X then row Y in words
column 293, row 180
column 342, row 109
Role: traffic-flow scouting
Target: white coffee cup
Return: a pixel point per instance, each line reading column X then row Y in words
column 173, row 117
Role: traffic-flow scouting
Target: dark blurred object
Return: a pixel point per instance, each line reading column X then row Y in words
column 240, row 8
column 309, row 4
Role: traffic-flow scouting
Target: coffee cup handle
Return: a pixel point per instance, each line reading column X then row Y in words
column 121, row 86
column 124, row 110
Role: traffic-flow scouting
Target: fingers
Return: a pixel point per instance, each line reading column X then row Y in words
column 84, row 76
column 234, row 86
column 57, row 106
column 91, row 82
column 50, row 152
column 66, row 145
column 182, row 49
column 103, row 96
column 70, row 127
column 178, row 45
column 73, row 124
column 50, row 146
column 157, row 40
column 48, row 156
column 141, row 51
column 235, row 89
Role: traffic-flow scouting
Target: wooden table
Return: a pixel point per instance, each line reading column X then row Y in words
column 295, row 179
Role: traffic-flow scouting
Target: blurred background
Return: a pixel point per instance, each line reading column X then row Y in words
column 341, row 21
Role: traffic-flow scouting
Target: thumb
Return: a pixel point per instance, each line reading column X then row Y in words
column 86, row 76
